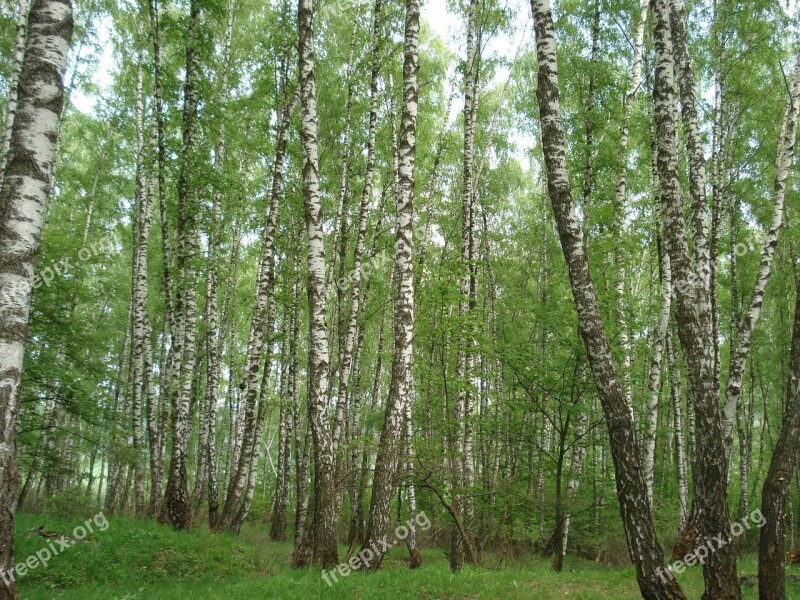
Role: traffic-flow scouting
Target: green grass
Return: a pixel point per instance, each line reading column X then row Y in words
column 135, row 560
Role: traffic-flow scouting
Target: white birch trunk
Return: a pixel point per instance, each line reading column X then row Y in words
column 26, row 185
column 400, row 392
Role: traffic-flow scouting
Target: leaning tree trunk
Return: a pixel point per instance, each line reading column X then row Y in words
column 744, row 334
column 260, row 326
column 401, row 387
column 27, row 181
column 645, row 551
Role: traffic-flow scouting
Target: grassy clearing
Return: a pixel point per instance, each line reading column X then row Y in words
column 134, row 560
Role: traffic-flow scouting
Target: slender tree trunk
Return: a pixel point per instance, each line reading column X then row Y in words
column 13, row 92
column 351, row 332
column 177, row 504
column 401, row 390
column 280, row 503
column 654, row 378
column 744, row 423
column 772, row 541
column 414, row 556
column 771, row 579
column 356, row 531
column 141, row 323
column 261, row 325
column 680, row 437
column 462, row 472
column 621, row 190
column 744, row 337
column 576, row 467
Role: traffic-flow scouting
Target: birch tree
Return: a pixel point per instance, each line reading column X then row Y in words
column 400, row 391
column 321, row 536
column 26, row 185
column 645, row 551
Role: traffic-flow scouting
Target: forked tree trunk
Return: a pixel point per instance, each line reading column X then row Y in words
column 645, row 551
column 693, row 310
column 26, row 185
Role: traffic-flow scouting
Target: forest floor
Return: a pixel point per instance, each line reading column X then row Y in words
column 130, row 560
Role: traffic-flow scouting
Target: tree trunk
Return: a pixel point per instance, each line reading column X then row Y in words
column 13, row 92
column 26, row 185
column 351, row 330
column 400, row 391
column 771, row 554
column 693, row 310
column 323, row 530
column 772, row 540
column 177, row 504
column 645, row 551
column 744, row 337
column 654, row 379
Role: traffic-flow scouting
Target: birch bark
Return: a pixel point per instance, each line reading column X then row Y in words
column 26, row 185
column 400, row 392
column 323, row 534
column 645, row 551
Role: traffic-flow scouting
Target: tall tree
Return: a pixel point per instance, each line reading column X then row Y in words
column 177, row 504
column 26, row 185
column 400, row 391
column 644, row 549
column 321, row 536
column 771, row 579
column 692, row 300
